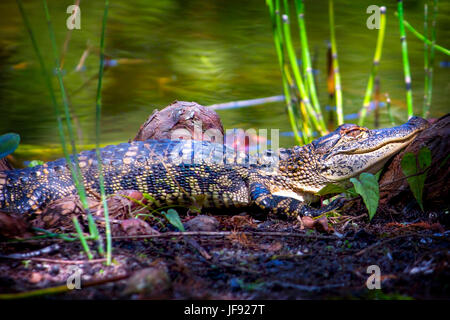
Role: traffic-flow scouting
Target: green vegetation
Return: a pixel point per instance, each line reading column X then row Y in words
column 375, row 64
column 173, row 217
column 35, row 163
column 98, row 107
column 300, row 90
column 299, row 87
column 335, row 65
column 8, row 143
column 291, row 75
column 73, row 166
column 415, row 169
column 367, row 187
column 405, row 59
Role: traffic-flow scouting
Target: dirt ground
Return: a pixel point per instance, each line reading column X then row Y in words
column 243, row 258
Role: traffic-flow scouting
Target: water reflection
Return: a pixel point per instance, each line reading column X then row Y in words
column 204, row 51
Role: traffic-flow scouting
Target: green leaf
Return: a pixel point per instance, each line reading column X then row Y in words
column 34, row 163
column 174, row 219
column 411, row 165
column 424, row 158
column 330, row 188
column 351, row 193
column 378, row 174
column 367, row 187
column 8, row 143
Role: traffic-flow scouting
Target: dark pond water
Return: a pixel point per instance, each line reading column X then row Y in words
column 195, row 50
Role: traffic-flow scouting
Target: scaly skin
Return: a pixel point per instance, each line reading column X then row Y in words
column 179, row 172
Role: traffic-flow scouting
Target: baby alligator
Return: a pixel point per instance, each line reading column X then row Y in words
column 178, row 172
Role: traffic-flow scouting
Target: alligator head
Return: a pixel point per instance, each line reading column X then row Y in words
column 345, row 153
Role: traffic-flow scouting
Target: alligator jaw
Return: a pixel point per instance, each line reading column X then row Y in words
column 369, row 152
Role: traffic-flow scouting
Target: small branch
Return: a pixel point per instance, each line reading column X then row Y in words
column 28, row 255
column 58, row 289
column 422, row 37
column 224, row 234
column 246, row 103
column 57, row 261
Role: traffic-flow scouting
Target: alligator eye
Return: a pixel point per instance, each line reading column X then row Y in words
column 354, row 133
column 358, row 132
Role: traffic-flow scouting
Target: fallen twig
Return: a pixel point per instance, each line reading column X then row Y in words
column 198, row 247
column 224, row 234
column 58, row 289
column 58, row 261
column 28, row 255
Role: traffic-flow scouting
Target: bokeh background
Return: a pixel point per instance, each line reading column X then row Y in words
column 195, row 50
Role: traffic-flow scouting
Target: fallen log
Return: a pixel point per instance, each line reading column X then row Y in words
column 394, row 189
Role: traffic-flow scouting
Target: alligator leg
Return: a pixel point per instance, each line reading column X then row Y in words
column 286, row 206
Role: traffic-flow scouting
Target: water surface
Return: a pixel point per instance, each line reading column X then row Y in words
column 204, row 51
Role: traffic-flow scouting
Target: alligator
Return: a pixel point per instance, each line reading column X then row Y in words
column 179, row 172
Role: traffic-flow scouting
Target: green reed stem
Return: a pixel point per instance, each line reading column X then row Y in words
column 375, row 64
column 75, row 169
column 76, row 174
column 278, row 40
column 48, row 83
column 82, row 238
column 389, row 111
column 337, row 76
column 97, row 137
column 426, row 57
column 52, row 92
column 406, row 69
column 94, row 234
column 307, row 68
column 423, row 38
column 376, row 101
column 426, row 110
column 315, row 118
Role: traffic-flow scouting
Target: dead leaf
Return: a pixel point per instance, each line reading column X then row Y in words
column 320, row 224
column 133, row 227
column 272, row 247
column 35, row 277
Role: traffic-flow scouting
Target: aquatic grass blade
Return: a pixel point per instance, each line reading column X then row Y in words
column 374, row 69
column 426, row 61
column 48, row 83
column 429, row 88
column 98, row 107
column 337, row 75
column 315, row 117
column 423, row 38
column 82, row 238
column 276, row 28
column 75, row 169
column 306, row 59
column 405, row 59
column 389, row 111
